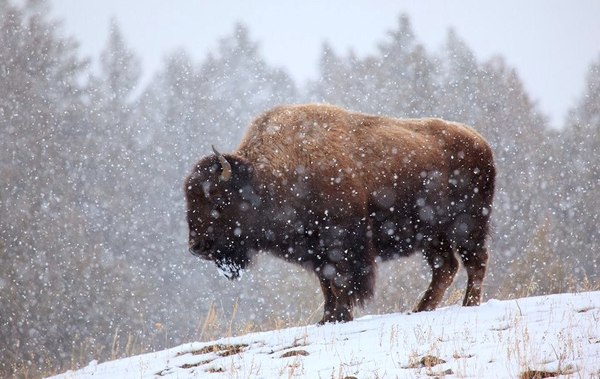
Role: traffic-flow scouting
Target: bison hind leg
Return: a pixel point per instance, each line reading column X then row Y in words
column 475, row 262
column 471, row 247
column 444, row 265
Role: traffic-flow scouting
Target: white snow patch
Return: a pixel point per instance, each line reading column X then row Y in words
column 500, row 339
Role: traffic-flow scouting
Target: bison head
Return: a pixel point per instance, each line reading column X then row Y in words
column 222, row 212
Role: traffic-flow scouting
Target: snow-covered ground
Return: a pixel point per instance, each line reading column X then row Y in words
column 547, row 336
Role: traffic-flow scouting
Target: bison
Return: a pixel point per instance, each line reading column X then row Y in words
column 337, row 191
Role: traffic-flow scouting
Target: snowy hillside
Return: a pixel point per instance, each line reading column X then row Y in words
column 538, row 337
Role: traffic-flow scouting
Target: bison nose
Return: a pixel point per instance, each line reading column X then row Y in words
column 200, row 249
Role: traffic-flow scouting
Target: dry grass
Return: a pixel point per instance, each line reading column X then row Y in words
column 219, row 323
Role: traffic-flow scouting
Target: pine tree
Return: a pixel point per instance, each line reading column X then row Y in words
column 42, row 227
column 578, row 172
column 458, row 91
column 330, row 88
column 112, row 136
column 405, row 75
column 397, row 81
column 239, row 68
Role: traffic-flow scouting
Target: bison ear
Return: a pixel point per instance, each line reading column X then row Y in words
column 225, row 165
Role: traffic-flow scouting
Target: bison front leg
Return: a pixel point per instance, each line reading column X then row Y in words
column 338, row 305
column 346, row 268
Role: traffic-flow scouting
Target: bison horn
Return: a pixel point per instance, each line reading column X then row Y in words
column 226, row 166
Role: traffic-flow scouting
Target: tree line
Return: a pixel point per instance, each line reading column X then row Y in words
column 93, row 239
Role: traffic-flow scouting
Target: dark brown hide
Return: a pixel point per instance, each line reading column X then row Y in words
column 332, row 190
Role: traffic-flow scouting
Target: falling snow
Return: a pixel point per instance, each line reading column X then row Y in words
column 93, row 238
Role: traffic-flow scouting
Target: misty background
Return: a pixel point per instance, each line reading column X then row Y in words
column 550, row 43
column 93, row 238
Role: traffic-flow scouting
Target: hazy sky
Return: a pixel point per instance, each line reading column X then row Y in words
column 551, row 43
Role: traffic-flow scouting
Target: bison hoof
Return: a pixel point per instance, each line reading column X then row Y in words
column 426, row 307
column 343, row 315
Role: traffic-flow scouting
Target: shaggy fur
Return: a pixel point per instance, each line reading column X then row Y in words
column 331, row 190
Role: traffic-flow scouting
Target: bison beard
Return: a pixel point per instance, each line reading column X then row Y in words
column 229, row 269
column 333, row 190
